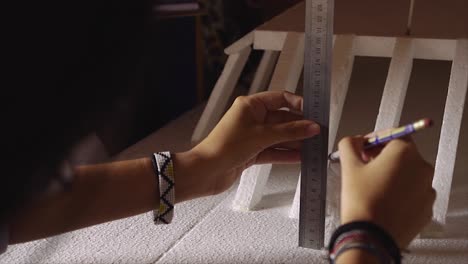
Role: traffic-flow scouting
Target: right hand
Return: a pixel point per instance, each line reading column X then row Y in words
column 392, row 189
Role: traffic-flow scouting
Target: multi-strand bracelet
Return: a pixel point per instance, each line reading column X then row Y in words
column 164, row 170
column 365, row 236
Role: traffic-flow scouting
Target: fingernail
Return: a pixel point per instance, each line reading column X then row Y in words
column 313, row 128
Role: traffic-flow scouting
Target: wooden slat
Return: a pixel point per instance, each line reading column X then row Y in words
column 286, row 77
column 450, row 132
column 394, row 93
column 295, row 207
column 240, row 44
column 430, row 49
column 251, row 186
column 290, row 64
column 221, row 93
column 264, row 71
column 343, row 60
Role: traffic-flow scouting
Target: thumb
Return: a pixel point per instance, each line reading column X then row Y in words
column 351, row 149
column 292, row 131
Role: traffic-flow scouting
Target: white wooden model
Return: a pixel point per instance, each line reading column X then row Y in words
column 289, row 46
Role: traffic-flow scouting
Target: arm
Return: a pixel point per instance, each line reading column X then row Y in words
column 99, row 193
column 104, row 192
column 250, row 133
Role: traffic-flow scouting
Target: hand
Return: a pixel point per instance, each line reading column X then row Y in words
column 393, row 189
column 253, row 131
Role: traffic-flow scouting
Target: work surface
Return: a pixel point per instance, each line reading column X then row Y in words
column 205, row 230
column 208, row 231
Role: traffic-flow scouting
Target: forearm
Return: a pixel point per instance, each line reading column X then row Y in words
column 105, row 192
column 98, row 193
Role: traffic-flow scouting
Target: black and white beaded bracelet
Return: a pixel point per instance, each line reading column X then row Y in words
column 164, row 170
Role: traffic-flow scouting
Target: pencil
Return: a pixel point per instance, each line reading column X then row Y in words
column 388, row 136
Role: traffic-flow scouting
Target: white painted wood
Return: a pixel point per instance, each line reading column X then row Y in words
column 430, row 49
column 295, row 207
column 434, row 49
column 264, row 71
column 373, row 46
column 221, row 93
column 269, row 40
column 251, row 186
column 394, row 93
column 333, row 200
column 286, row 77
column 290, row 64
column 240, row 44
column 342, row 66
column 450, row 132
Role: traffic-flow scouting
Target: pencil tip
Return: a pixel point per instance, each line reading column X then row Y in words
column 428, row 122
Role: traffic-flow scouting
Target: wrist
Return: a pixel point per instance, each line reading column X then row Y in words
column 357, row 256
column 363, row 236
column 188, row 166
column 374, row 218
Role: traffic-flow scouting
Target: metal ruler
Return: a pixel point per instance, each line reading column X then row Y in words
column 317, row 75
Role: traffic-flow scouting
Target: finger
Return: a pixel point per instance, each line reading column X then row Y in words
column 427, row 207
column 427, row 173
column 432, row 196
column 351, row 149
column 281, row 116
column 272, row 155
column 397, row 149
column 292, row 145
column 279, row 99
column 370, row 154
column 291, row 131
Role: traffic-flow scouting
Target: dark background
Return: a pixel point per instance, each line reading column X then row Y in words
column 166, row 85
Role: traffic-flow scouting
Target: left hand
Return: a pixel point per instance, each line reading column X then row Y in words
column 253, row 131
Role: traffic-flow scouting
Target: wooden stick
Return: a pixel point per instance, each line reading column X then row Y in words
column 221, row 93
column 295, row 207
column 430, row 49
column 264, row 71
column 450, row 132
column 290, row 63
column 241, row 44
column 286, row 77
column 251, row 186
column 342, row 67
column 394, row 93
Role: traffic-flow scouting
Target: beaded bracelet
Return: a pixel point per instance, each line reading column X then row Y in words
column 164, row 170
column 359, row 239
column 367, row 236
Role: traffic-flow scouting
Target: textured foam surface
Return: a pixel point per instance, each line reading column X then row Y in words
column 208, row 230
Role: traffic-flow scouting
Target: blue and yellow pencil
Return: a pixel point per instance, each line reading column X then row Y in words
column 389, row 135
